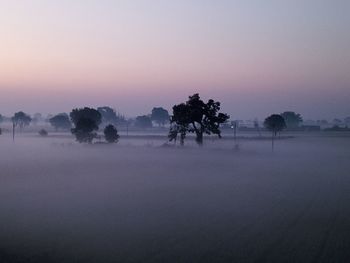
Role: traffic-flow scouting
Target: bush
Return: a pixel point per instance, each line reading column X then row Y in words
column 43, row 133
column 111, row 134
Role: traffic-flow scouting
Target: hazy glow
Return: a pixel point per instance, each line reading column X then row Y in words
column 256, row 56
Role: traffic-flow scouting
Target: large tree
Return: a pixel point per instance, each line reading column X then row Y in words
column 86, row 122
column 160, row 116
column 61, row 121
column 292, row 119
column 274, row 123
column 196, row 116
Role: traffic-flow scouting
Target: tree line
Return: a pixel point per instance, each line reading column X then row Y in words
column 193, row 116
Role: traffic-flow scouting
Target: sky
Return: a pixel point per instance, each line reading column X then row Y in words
column 256, row 57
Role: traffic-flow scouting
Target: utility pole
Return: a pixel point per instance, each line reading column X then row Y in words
column 13, row 131
column 257, row 126
column 127, row 128
column 234, row 126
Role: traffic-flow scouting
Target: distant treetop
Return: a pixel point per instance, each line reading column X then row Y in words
column 21, row 119
column 110, row 116
column 61, row 121
column 275, row 123
column 143, row 122
column 160, row 116
column 292, row 119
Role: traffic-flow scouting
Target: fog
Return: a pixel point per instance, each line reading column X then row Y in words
column 143, row 201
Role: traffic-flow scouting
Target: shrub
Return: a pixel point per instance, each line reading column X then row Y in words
column 43, row 133
column 111, row 134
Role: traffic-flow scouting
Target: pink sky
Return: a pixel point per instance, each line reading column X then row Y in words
column 133, row 56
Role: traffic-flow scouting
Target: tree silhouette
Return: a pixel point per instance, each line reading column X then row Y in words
column 111, row 134
column 160, row 116
column 110, row 116
column 196, row 116
column 61, row 121
column 292, row 119
column 143, row 122
column 274, row 123
column 86, row 122
column 20, row 119
column 180, row 122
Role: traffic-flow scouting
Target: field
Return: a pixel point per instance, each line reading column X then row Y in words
column 143, row 201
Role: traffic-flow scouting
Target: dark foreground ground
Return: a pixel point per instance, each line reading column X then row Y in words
column 62, row 202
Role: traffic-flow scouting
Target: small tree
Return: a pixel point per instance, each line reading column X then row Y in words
column 111, row 134
column 292, row 119
column 160, row 116
column 20, row 119
column 143, row 122
column 61, row 121
column 43, row 133
column 86, row 123
column 198, row 117
column 274, row 123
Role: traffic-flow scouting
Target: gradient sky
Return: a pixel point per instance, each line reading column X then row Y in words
column 257, row 57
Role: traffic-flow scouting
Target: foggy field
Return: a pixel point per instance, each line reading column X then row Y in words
column 140, row 201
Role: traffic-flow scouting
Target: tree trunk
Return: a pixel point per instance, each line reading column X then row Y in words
column 273, row 141
column 199, row 138
column 182, row 140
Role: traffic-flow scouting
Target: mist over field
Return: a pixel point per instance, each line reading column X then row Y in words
column 187, row 131
column 143, row 201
